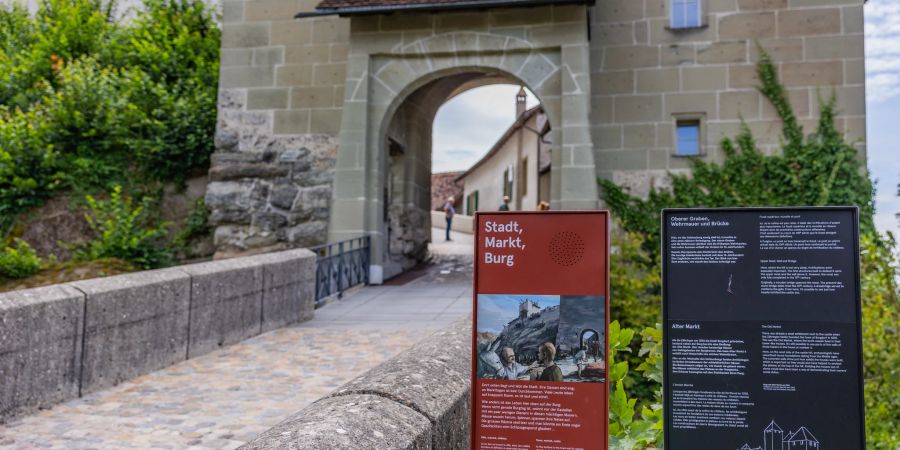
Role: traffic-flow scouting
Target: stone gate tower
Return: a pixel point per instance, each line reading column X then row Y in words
column 325, row 107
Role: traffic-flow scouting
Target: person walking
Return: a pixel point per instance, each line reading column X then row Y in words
column 505, row 205
column 449, row 212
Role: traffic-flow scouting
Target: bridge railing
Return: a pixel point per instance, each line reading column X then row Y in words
column 340, row 266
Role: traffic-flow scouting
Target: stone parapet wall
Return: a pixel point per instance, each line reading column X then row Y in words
column 63, row 341
column 418, row 400
column 461, row 223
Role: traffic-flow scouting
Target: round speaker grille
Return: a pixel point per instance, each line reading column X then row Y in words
column 566, row 248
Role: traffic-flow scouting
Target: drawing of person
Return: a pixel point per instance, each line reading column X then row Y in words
column 510, row 370
column 580, row 360
column 546, row 357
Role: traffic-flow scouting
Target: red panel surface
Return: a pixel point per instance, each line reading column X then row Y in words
column 564, row 254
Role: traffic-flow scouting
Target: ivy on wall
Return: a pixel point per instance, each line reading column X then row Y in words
column 818, row 169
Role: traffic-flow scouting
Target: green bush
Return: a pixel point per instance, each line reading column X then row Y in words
column 634, row 279
column 176, row 44
column 19, row 261
column 124, row 231
column 88, row 102
column 94, row 124
column 820, row 169
column 628, row 429
column 196, row 225
column 29, row 164
column 881, row 341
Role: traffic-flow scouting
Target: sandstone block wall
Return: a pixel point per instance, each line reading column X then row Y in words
column 281, row 90
column 282, row 95
column 60, row 342
column 644, row 75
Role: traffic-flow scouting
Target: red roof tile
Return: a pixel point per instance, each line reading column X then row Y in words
column 331, row 4
column 342, row 4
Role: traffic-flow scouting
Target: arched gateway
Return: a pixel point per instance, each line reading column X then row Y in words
column 325, row 117
column 394, row 88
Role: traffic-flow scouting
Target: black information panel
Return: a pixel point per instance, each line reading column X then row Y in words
column 762, row 329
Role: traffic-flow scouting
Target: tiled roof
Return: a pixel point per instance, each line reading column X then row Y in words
column 331, row 4
column 351, row 4
column 444, row 185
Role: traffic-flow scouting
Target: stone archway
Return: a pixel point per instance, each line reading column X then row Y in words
column 589, row 334
column 389, row 79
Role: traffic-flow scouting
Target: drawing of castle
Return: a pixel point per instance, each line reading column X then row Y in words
column 775, row 439
column 527, row 309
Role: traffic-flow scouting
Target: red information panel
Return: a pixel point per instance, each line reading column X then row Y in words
column 539, row 339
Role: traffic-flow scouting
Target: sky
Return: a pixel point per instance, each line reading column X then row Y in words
column 468, row 125
column 883, row 108
column 495, row 311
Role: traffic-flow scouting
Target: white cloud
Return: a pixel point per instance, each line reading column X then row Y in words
column 884, row 157
column 882, row 50
column 468, row 125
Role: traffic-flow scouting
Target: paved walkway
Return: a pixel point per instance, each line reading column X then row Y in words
column 226, row 398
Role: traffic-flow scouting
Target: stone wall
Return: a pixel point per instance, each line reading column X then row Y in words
column 63, row 341
column 280, row 98
column 266, row 192
column 283, row 100
column 418, row 400
column 644, row 74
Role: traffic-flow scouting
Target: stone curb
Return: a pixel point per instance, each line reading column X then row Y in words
column 430, row 382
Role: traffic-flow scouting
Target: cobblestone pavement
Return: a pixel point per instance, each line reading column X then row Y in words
column 224, row 399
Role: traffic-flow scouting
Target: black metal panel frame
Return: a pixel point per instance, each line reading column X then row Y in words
column 854, row 210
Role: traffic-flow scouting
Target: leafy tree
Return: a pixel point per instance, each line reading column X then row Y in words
column 88, row 102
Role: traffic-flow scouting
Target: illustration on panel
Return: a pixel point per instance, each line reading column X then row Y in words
column 542, row 338
column 774, row 438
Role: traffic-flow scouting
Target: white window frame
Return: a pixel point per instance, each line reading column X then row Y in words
column 697, row 118
column 700, row 19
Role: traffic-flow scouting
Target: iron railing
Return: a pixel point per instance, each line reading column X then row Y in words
column 340, row 266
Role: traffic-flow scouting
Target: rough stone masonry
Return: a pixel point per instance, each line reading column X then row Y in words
column 267, row 192
column 614, row 77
